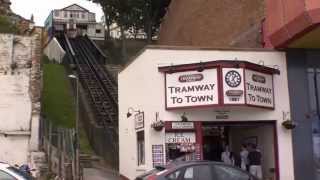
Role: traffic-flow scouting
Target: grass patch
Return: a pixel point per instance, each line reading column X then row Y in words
column 85, row 146
column 57, row 100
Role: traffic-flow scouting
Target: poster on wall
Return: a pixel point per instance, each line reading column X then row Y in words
column 157, row 155
column 180, row 137
column 139, row 120
column 233, row 86
column 259, row 89
column 191, row 88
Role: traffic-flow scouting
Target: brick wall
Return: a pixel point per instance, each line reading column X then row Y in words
column 222, row 23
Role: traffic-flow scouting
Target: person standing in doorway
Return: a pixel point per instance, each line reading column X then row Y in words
column 227, row 156
column 254, row 158
column 244, row 157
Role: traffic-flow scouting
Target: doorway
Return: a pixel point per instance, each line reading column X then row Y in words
column 217, row 137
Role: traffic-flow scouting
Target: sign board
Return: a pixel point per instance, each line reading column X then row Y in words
column 259, row 89
column 182, row 125
column 139, row 120
column 192, row 88
column 180, row 137
column 233, row 86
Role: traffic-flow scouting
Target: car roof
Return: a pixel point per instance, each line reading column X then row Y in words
column 194, row 162
column 4, row 165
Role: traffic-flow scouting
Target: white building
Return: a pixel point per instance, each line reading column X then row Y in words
column 115, row 33
column 20, row 108
column 74, row 19
column 225, row 97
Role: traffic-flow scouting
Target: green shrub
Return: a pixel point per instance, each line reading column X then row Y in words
column 6, row 26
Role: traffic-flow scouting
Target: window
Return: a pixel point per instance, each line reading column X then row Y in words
column 199, row 172
column 65, row 14
column 140, row 149
column 174, row 175
column 56, row 13
column 98, row 31
column 6, row 176
column 188, row 174
column 225, row 172
column 71, row 15
column 314, row 101
column 77, row 15
column 82, row 15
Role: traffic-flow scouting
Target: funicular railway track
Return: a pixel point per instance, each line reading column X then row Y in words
column 101, row 89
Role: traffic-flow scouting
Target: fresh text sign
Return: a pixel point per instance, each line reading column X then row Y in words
column 192, row 88
column 259, row 89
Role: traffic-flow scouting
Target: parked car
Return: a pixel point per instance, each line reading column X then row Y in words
column 8, row 172
column 196, row 170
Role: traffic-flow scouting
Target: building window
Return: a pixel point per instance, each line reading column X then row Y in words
column 65, row 14
column 98, row 31
column 71, row 15
column 82, row 15
column 140, row 148
column 314, row 104
column 77, row 15
column 56, row 13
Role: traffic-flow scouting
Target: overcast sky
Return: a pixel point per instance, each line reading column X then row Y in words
column 41, row 8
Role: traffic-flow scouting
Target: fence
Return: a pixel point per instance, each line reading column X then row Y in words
column 60, row 147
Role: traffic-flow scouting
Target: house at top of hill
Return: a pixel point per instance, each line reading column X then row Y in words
column 74, row 20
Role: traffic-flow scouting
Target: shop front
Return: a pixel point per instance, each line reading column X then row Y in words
column 205, row 105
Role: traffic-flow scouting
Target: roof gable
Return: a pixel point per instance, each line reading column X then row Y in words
column 75, row 7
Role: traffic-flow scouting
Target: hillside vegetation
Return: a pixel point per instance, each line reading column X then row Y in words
column 7, row 26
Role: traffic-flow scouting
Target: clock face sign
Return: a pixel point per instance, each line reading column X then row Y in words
column 233, row 78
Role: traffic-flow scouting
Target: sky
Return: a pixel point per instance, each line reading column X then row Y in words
column 41, row 8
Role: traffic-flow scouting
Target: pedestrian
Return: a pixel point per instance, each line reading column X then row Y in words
column 244, row 157
column 254, row 158
column 227, row 156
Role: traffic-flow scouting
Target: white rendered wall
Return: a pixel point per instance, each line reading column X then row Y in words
column 15, row 104
column 54, row 51
column 141, row 87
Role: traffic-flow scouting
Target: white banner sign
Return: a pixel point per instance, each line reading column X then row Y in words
column 182, row 125
column 139, row 120
column 233, row 86
column 192, row 88
column 181, row 137
column 259, row 89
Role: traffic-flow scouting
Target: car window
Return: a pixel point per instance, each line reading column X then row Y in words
column 222, row 172
column 20, row 173
column 6, row 176
column 198, row 172
column 174, row 175
column 188, row 174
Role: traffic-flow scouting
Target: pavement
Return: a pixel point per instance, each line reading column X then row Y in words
column 99, row 174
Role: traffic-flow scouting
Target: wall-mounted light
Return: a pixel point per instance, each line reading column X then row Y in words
column 171, row 69
column 200, row 67
column 184, row 117
column 237, row 63
column 130, row 111
column 261, row 63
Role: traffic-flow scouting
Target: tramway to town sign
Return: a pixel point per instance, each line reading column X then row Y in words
column 231, row 86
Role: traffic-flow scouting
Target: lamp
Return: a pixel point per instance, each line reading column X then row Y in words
column 129, row 113
column 200, row 67
column 77, row 151
column 237, row 63
column 184, row 117
column 171, row 69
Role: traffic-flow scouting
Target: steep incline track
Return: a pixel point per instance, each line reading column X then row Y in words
column 100, row 87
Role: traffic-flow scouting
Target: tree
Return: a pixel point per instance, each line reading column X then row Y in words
column 6, row 26
column 145, row 15
column 152, row 12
